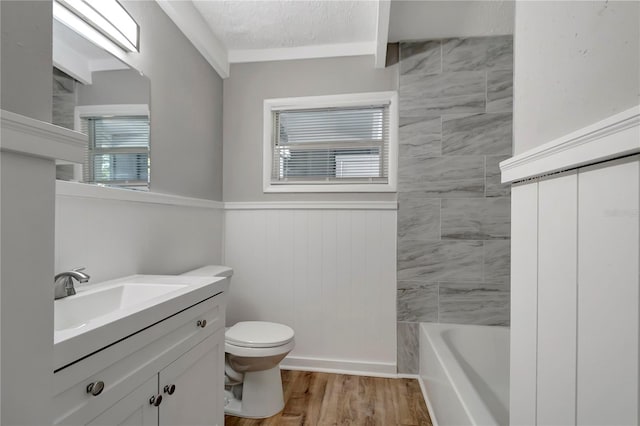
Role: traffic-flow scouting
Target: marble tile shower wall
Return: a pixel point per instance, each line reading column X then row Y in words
column 64, row 99
column 454, row 214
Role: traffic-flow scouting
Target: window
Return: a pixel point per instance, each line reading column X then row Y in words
column 118, row 148
column 342, row 143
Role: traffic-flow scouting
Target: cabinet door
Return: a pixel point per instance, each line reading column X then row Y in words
column 198, row 377
column 132, row 410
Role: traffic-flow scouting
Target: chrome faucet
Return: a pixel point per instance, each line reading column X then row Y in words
column 64, row 282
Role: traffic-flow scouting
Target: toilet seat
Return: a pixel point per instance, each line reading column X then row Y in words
column 258, row 352
column 258, row 334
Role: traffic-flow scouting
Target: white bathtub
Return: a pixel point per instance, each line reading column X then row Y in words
column 464, row 370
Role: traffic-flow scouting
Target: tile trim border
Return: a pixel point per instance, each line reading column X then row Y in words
column 615, row 136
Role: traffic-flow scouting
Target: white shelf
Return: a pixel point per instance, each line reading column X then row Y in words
column 36, row 138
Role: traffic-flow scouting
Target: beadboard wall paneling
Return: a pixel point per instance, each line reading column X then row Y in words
column 117, row 237
column 524, row 303
column 608, row 293
column 557, row 299
column 576, row 297
column 327, row 273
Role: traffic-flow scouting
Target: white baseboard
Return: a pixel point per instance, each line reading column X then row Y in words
column 408, row 376
column 356, row 368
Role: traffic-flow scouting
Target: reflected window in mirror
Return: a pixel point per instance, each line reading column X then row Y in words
column 98, row 93
column 118, row 145
column 113, row 110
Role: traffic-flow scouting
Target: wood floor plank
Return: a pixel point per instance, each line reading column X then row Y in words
column 323, row 399
column 317, row 391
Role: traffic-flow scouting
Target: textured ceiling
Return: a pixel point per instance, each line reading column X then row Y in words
column 266, row 24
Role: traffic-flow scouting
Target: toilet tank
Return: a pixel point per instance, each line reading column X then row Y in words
column 211, row 271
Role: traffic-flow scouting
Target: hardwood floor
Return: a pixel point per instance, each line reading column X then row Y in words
column 337, row 399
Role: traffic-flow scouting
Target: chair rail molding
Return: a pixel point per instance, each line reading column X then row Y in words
column 311, row 205
column 83, row 190
column 615, row 136
column 40, row 139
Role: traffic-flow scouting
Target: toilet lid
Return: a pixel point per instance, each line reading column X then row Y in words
column 258, row 334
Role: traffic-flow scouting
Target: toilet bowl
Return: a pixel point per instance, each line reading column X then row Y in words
column 253, row 351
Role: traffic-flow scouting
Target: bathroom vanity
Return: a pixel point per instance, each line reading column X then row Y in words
column 154, row 358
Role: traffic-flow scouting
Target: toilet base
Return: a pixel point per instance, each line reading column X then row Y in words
column 261, row 395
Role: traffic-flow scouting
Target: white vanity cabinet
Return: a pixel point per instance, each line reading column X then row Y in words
column 192, row 391
column 171, row 373
column 132, row 410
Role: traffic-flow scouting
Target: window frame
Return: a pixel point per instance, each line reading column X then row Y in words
column 84, row 111
column 330, row 101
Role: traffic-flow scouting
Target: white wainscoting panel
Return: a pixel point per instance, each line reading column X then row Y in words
column 608, row 294
column 575, row 277
column 575, row 318
column 524, row 303
column 330, row 274
column 114, row 238
column 557, row 298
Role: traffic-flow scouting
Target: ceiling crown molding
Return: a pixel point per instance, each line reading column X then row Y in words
column 193, row 26
column 302, row 52
column 189, row 20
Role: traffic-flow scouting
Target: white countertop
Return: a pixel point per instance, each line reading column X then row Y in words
column 74, row 343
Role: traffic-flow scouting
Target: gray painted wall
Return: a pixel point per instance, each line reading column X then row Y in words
column 25, row 58
column 115, row 87
column 186, row 107
column 250, row 84
column 454, row 215
column 108, row 87
column 186, row 93
column 576, row 62
column 26, row 244
column 27, row 241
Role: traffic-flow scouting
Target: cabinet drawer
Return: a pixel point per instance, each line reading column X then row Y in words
column 129, row 363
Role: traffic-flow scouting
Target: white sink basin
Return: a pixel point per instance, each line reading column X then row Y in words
column 102, row 314
column 77, row 311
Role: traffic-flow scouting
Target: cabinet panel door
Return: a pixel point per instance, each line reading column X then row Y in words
column 132, row 410
column 198, row 377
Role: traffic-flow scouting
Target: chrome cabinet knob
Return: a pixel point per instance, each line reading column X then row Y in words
column 95, row 388
column 170, row 389
column 155, row 400
column 202, row 323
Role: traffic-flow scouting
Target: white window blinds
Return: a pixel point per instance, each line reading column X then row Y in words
column 118, row 151
column 330, row 145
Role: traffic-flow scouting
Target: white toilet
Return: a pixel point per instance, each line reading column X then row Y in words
column 254, row 349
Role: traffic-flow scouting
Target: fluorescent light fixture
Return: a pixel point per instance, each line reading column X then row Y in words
column 69, row 19
column 107, row 17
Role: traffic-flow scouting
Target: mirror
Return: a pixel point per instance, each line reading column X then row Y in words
column 99, row 95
